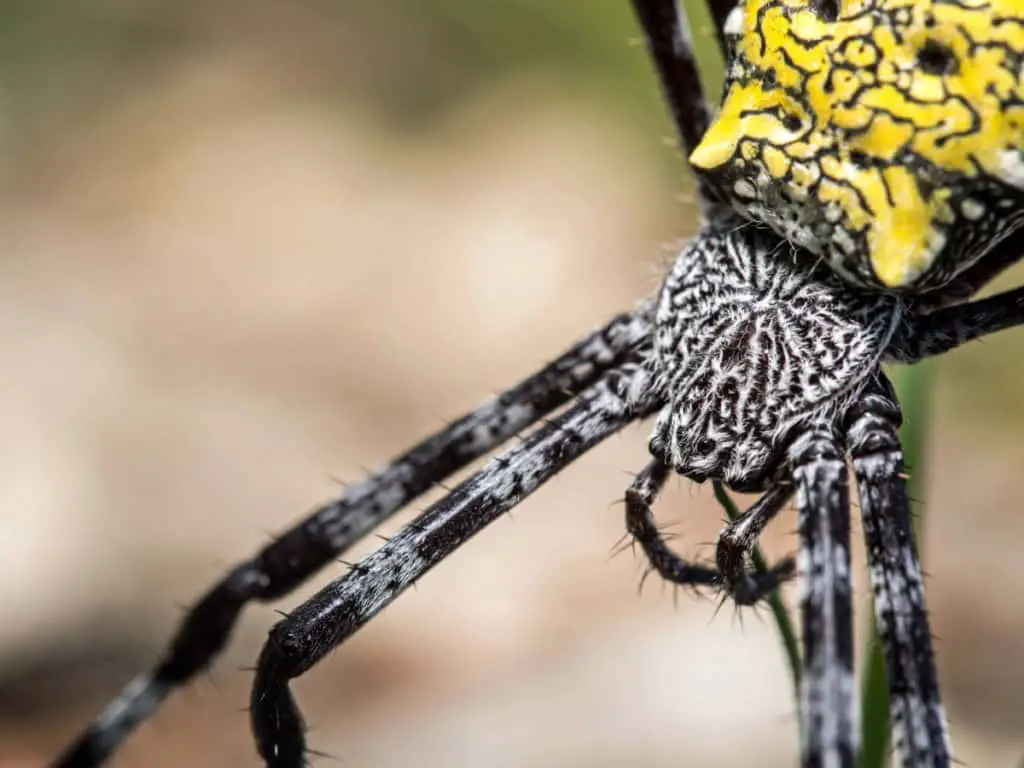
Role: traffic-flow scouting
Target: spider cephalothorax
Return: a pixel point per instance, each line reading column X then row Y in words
column 884, row 135
column 751, row 352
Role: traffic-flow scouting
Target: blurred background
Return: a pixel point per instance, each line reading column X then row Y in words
column 251, row 248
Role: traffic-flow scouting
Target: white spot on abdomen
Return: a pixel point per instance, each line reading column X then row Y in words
column 1011, row 167
column 734, row 21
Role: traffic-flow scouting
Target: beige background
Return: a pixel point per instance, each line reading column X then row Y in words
column 248, row 250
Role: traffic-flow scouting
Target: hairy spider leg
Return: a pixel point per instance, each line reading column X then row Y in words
column 322, row 537
column 830, row 729
column 916, row 715
column 670, row 45
column 969, row 282
column 737, row 539
column 920, row 732
column 946, row 329
column 640, row 497
column 345, row 605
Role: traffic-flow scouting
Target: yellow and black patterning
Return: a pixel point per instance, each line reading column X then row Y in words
column 886, row 136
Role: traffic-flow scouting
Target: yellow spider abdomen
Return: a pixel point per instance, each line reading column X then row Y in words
column 911, row 114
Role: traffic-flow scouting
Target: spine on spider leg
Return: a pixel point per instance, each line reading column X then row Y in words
column 830, row 731
column 330, row 530
column 917, row 717
column 343, row 607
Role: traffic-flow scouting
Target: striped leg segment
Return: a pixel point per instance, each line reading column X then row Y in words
column 920, row 734
column 321, row 538
column 830, row 727
column 341, row 608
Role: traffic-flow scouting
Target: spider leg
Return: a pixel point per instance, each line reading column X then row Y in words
column 926, row 335
column 322, row 537
column 830, row 730
column 739, row 537
column 920, row 733
column 1003, row 256
column 670, row 45
column 337, row 611
column 746, row 589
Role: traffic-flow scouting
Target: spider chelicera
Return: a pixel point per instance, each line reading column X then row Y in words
column 864, row 179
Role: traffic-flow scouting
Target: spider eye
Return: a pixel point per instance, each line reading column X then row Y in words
column 705, row 446
column 828, row 10
column 937, row 59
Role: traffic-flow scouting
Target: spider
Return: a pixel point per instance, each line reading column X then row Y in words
column 863, row 180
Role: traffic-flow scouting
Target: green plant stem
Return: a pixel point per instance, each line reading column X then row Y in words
column 779, row 611
column 915, row 394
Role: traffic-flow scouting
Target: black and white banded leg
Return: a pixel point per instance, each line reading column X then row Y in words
column 341, row 608
column 830, row 729
column 918, row 721
column 325, row 535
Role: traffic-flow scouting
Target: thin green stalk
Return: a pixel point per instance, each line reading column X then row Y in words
column 779, row 610
column 915, row 394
